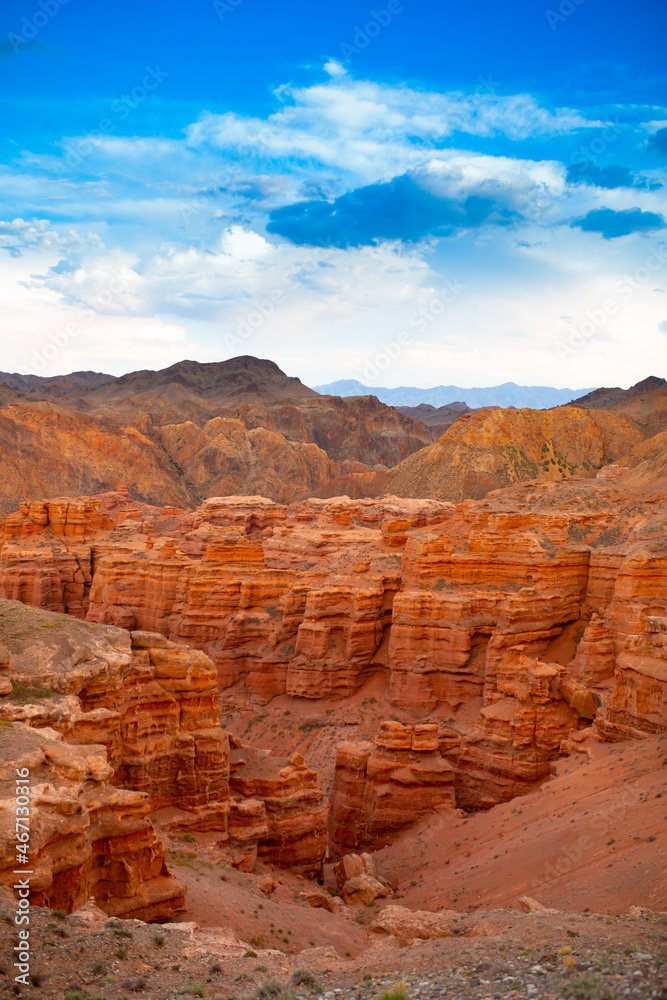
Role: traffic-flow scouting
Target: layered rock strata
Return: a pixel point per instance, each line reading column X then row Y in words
column 462, row 607
column 153, row 706
column 279, row 799
column 385, row 785
column 86, row 837
column 151, row 702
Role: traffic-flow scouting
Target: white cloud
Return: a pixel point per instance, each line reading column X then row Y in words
column 179, row 264
column 369, row 129
column 334, row 68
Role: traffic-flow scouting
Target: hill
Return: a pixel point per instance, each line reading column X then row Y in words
column 489, row 449
column 193, row 430
column 645, row 402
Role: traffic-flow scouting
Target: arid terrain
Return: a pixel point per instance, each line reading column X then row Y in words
column 313, row 703
column 243, row 427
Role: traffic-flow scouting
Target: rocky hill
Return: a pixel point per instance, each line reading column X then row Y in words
column 490, row 449
column 645, row 403
column 438, row 419
column 243, row 427
column 191, row 431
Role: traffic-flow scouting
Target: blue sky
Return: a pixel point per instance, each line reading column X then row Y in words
column 411, row 192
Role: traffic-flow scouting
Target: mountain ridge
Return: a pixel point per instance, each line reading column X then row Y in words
column 536, row 397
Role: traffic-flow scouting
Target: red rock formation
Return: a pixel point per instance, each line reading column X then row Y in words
column 313, row 599
column 293, row 813
column 358, row 879
column 518, row 734
column 87, row 838
column 153, row 704
column 387, row 785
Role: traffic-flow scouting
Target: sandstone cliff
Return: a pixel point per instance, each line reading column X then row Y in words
column 521, row 617
column 148, row 709
column 382, row 786
column 87, row 838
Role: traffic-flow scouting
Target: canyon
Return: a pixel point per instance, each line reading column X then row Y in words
column 334, row 701
column 499, row 630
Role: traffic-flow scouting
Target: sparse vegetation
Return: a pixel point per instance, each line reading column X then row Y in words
column 304, row 977
column 397, row 992
column 272, row 990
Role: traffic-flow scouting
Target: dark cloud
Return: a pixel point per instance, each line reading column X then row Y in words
column 657, row 143
column 588, row 172
column 611, row 224
column 397, row 210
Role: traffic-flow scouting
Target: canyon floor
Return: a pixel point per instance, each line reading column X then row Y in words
column 517, row 955
column 586, row 846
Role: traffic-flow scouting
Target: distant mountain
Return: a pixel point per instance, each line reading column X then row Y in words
column 191, row 431
column 537, row 397
column 237, row 380
column 55, row 384
column 437, row 420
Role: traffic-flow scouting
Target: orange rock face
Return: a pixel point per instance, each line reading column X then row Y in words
column 288, row 807
column 388, row 784
column 528, row 614
column 87, row 838
column 491, row 448
column 153, row 705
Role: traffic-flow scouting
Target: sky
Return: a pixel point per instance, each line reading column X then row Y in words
column 416, row 192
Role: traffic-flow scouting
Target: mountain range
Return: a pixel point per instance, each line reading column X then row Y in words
column 537, row 397
column 242, row 426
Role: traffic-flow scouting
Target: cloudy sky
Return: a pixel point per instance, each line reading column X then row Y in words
column 417, row 192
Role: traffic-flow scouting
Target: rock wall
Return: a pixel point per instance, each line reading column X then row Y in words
column 87, row 837
column 152, row 704
column 388, row 784
column 284, row 800
column 465, row 609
